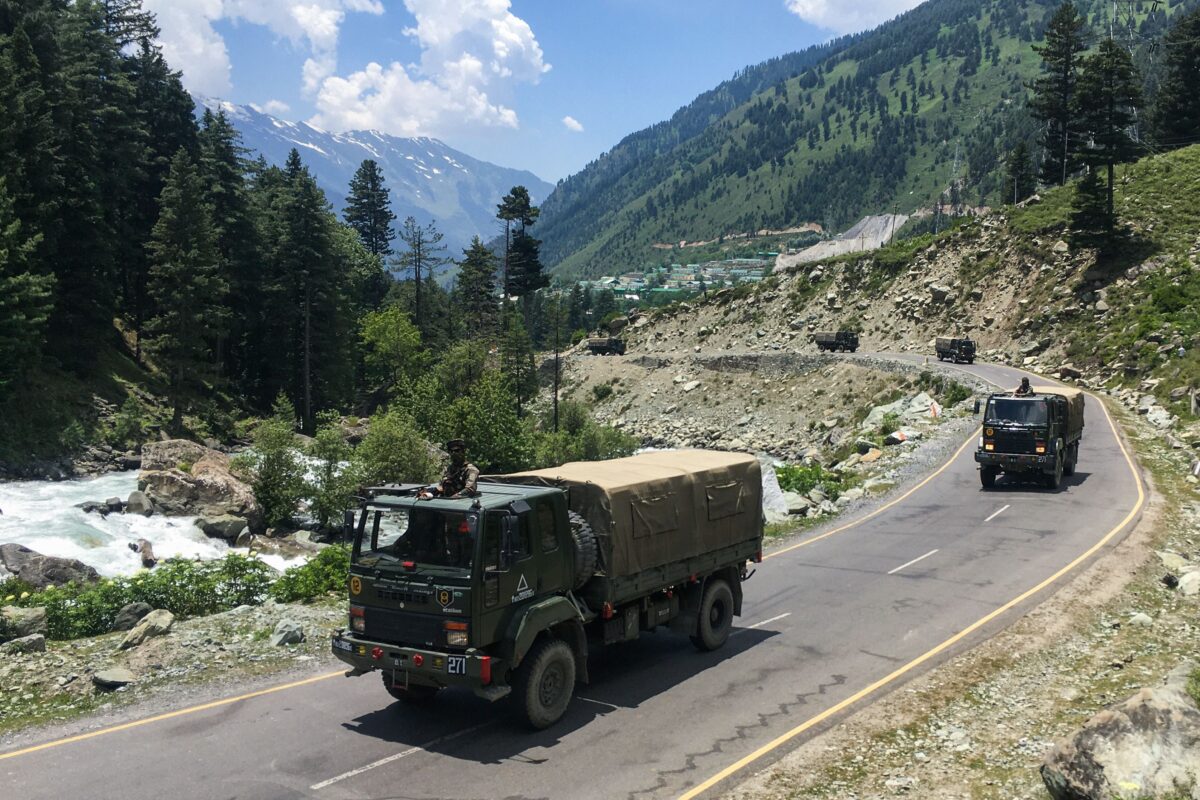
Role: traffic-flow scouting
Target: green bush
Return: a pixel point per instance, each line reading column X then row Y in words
column 277, row 476
column 326, row 572
column 579, row 438
column 602, row 391
column 128, row 426
column 332, row 484
column 803, row 479
column 393, row 451
column 890, row 424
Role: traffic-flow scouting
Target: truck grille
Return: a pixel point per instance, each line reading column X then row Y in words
column 1014, row 441
column 401, row 627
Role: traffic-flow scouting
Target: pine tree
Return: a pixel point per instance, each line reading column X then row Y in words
column 515, row 206
column 476, row 290
column 186, row 285
column 1176, row 114
column 25, row 298
column 516, row 361
column 1019, row 181
column 423, row 254
column 368, row 209
column 127, row 23
column 1090, row 221
column 1109, row 95
column 576, row 309
column 1054, row 93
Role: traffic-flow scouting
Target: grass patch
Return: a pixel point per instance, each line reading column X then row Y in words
column 803, row 479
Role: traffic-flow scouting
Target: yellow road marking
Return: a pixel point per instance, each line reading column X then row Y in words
column 956, row 638
column 169, row 715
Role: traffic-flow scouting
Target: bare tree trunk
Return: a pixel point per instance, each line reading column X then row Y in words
column 307, row 356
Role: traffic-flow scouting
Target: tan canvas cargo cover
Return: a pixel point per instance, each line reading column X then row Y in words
column 654, row 508
column 1074, row 398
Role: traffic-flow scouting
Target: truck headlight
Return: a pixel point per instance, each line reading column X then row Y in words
column 456, row 634
column 989, row 446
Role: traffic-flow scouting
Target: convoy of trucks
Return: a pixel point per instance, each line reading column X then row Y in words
column 507, row 592
column 1035, row 435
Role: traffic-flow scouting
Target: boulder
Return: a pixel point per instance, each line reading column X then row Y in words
column 895, row 438
column 145, row 552
column 225, row 526
column 939, row 292
column 1069, row 371
column 113, row 678
column 244, row 539
column 40, row 571
column 115, row 505
column 93, row 507
column 184, row 478
column 287, row 631
column 130, row 615
column 33, row 643
column 139, row 503
column 19, row 622
column 156, row 623
column 1146, row 746
column 872, row 455
column 1061, row 247
column 1189, row 583
column 797, row 504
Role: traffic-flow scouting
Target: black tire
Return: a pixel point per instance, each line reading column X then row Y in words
column 715, row 618
column 413, row 694
column 987, row 476
column 545, row 683
column 583, row 539
column 1053, row 480
column 1072, row 459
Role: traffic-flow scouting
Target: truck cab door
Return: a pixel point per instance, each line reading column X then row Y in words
column 508, row 579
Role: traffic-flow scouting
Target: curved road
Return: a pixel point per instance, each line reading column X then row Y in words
column 829, row 623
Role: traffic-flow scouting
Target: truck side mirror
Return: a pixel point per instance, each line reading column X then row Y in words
column 508, row 538
column 348, row 524
column 977, row 406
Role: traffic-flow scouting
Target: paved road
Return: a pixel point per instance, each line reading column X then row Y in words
column 862, row 608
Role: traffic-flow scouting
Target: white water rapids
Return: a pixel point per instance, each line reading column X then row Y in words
column 42, row 516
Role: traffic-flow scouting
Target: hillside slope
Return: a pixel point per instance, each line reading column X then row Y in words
column 891, row 118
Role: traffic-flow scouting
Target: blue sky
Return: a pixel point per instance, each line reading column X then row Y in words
column 544, row 85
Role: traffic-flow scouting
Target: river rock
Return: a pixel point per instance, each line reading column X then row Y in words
column 796, row 503
column 184, row 478
column 1189, row 583
column 156, row 623
column 40, row 571
column 287, row 631
column 225, row 526
column 33, row 643
column 1146, row 746
column 139, row 503
column 114, row 504
column 129, row 615
column 20, row 622
column 113, row 678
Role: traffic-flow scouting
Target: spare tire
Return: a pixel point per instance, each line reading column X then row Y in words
column 583, row 539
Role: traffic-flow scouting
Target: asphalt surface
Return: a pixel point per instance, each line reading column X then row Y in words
column 821, row 622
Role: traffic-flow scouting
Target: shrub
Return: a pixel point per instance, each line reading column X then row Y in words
column 128, row 428
column 803, row 479
column 602, row 391
column 277, row 476
column 332, row 483
column 890, row 424
column 326, row 572
column 393, row 451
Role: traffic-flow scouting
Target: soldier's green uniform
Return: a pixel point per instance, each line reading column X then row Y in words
column 461, row 475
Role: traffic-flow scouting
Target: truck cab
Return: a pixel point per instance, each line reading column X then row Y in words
column 1035, row 435
column 955, row 349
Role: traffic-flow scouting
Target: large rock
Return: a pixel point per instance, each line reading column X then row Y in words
column 156, row 623
column 139, row 503
column 1146, row 746
column 40, row 571
column 113, row 678
column 225, row 526
column 129, row 615
column 33, row 643
column 184, row 478
column 287, row 631
column 19, row 622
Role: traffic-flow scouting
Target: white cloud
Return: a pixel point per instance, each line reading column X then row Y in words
column 473, row 52
column 191, row 43
column 572, row 124
column 274, row 107
column 842, row 17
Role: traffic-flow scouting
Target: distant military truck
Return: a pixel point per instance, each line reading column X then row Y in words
column 1036, row 435
column 845, row 341
column 506, row 593
column 956, row 350
column 606, row 346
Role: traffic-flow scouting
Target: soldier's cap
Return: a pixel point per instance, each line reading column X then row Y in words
column 456, row 444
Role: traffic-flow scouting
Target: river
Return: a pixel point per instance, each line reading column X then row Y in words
column 42, row 516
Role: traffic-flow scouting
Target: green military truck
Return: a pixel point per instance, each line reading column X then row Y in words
column 606, row 346
column 956, row 350
column 1034, row 435
column 846, row 341
column 507, row 592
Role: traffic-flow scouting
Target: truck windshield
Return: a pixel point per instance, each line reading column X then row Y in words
column 1016, row 411
column 421, row 535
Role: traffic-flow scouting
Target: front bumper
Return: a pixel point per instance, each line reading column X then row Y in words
column 1014, row 462
column 471, row 669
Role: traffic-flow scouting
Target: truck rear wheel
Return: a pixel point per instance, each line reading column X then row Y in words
column 413, row 694
column 583, row 539
column 545, row 683
column 987, row 476
column 715, row 618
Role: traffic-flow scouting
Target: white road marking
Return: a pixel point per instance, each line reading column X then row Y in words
column 397, row 756
column 998, row 513
column 909, row 564
column 761, row 623
column 598, row 702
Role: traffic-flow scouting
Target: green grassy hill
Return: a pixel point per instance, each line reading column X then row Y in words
column 888, row 119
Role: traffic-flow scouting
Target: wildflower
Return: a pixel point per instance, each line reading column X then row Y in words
column 24, row 595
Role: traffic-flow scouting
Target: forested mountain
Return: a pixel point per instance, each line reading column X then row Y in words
column 429, row 180
column 924, row 107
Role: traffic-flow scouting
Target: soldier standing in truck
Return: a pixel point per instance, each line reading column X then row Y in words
column 1024, row 390
column 460, row 476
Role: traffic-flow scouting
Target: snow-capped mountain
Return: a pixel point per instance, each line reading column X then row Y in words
column 428, row 180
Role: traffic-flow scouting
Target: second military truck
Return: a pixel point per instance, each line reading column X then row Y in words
column 507, row 592
column 956, row 350
column 846, row 341
column 1035, row 435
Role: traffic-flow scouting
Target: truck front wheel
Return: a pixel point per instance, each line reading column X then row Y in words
column 987, row 476
column 715, row 617
column 545, row 683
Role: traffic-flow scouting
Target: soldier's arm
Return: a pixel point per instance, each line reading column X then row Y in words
column 472, row 477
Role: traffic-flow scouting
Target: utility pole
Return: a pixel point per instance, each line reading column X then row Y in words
column 557, row 328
